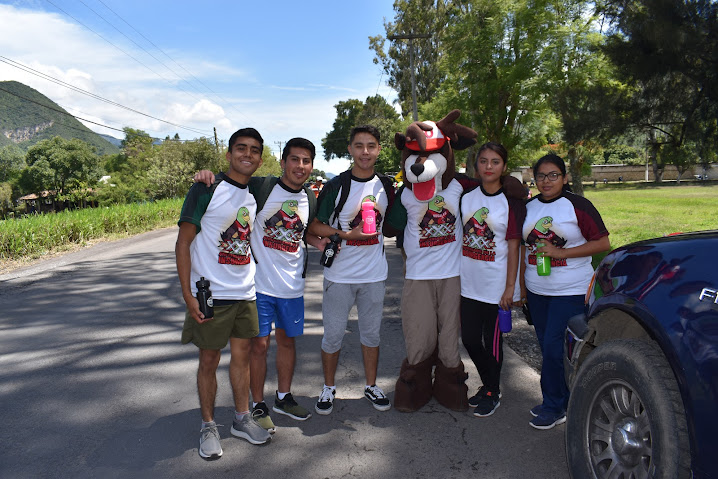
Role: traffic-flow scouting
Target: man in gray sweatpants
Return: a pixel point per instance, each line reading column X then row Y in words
column 359, row 271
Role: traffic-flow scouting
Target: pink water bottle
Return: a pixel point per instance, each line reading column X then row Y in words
column 369, row 216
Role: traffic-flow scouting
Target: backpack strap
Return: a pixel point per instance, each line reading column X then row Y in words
column 312, row 214
column 389, row 188
column 345, row 182
column 312, row 204
column 261, row 187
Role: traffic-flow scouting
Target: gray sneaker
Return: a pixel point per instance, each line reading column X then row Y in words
column 248, row 428
column 209, row 446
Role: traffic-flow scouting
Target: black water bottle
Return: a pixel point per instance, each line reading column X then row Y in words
column 330, row 250
column 204, row 296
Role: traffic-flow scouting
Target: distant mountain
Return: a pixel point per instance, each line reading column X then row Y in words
column 115, row 141
column 27, row 117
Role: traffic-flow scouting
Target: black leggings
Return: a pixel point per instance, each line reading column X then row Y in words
column 483, row 340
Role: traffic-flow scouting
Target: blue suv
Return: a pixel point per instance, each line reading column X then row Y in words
column 642, row 363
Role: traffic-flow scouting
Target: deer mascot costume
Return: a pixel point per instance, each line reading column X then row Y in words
column 426, row 209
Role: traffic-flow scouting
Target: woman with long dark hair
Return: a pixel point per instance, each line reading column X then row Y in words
column 489, row 263
column 567, row 230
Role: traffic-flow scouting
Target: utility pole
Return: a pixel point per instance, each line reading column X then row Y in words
column 279, row 143
column 411, row 38
column 216, row 141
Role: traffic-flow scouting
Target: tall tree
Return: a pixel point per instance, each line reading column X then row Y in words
column 667, row 50
column 12, row 162
column 581, row 84
column 374, row 111
column 492, row 54
column 173, row 164
column 413, row 17
column 270, row 164
column 336, row 142
column 135, row 141
column 60, row 166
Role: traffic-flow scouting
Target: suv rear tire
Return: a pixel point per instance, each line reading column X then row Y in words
column 625, row 416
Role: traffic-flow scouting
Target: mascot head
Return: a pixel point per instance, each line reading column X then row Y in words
column 290, row 207
column 427, row 153
column 243, row 216
column 481, row 215
column 544, row 224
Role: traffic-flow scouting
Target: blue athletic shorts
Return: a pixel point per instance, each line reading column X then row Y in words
column 286, row 314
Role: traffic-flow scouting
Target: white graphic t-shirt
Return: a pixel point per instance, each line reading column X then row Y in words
column 487, row 222
column 357, row 261
column 432, row 236
column 221, row 250
column 567, row 221
column 277, row 243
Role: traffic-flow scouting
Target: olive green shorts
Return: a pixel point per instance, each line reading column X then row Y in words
column 236, row 320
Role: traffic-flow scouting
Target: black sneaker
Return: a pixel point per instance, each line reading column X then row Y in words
column 377, row 398
column 325, row 404
column 261, row 415
column 474, row 400
column 289, row 407
column 487, row 404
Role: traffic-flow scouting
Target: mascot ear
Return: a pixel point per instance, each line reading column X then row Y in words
column 463, row 143
column 399, row 141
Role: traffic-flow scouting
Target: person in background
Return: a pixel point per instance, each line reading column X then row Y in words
column 568, row 229
column 318, row 185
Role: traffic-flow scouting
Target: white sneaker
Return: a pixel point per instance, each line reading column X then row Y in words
column 377, row 398
column 325, row 404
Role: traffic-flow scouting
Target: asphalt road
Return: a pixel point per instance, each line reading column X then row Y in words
column 94, row 383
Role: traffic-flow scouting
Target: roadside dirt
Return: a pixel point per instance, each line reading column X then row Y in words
column 522, row 339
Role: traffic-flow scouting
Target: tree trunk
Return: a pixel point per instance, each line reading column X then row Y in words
column 653, row 148
column 574, row 166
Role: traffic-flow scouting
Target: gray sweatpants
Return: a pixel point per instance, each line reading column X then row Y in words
column 338, row 301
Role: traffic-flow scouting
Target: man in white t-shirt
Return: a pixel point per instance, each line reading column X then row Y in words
column 283, row 216
column 358, row 273
column 213, row 243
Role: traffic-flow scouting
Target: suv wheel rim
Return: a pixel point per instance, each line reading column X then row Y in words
column 619, row 432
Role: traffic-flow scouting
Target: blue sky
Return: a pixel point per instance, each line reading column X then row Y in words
column 279, row 66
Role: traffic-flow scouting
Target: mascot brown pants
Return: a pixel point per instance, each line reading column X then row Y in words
column 430, row 314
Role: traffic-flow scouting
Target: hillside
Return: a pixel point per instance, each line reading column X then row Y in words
column 27, row 117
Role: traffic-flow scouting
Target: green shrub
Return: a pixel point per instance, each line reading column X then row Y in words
column 35, row 235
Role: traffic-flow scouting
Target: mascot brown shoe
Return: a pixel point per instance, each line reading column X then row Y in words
column 450, row 388
column 413, row 388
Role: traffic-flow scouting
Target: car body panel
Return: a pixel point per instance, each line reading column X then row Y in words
column 669, row 287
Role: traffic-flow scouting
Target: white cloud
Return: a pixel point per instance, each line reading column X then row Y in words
column 298, row 102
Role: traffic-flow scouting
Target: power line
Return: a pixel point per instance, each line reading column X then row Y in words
column 73, row 116
column 121, row 50
column 45, row 76
column 59, row 111
column 176, row 63
column 39, row 116
column 137, row 44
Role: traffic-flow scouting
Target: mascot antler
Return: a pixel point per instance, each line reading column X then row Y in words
column 461, row 136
